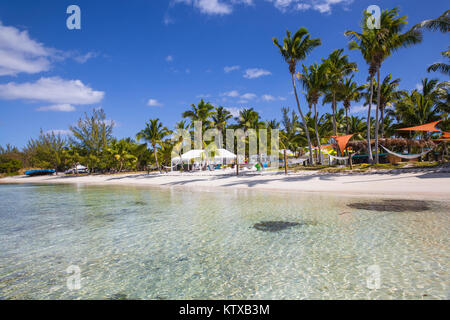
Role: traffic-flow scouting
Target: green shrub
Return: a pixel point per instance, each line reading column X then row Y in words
column 9, row 165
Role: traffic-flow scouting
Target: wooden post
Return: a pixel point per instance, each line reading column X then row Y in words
column 237, row 166
column 350, row 161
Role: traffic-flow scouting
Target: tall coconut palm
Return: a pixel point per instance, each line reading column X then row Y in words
column 388, row 96
column 220, row 117
column 337, row 67
column 313, row 80
column 154, row 133
column 382, row 43
column 349, row 92
column 293, row 50
column 200, row 112
column 248, row 119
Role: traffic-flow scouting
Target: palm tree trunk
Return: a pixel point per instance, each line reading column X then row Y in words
column 303, row 120
column 285, row 162
column 333, row 106
column 346, row 120
column 377, row 122
column 156, row 157
column 220, row 145
column 369, row 146
column 317, row 135
column 382, row 122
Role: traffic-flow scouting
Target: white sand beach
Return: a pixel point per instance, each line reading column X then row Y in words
column 419, row 184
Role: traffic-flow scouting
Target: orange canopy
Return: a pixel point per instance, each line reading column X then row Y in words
column 424, row 127
column 446, row 134
column 444, row 139
column 342, row 141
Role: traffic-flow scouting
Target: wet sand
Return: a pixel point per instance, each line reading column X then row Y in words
column 422, row 184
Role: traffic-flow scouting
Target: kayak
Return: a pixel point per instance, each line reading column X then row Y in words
column 40, row 172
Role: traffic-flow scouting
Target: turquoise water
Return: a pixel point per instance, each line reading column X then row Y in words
column 142, row 243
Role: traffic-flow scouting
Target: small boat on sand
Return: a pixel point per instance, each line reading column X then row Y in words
column 42, row 172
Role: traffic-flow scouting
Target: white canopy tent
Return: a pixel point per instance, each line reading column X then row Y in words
column 200, row 156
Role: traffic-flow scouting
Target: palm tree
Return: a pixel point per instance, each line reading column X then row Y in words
column 337, row 67
column 357, row 126
column 441, row 66
column 441, row 23
column 200, row 112
column 388, row 96
column 220, row 117
column 154, row 133
column 248, row 119
column 382, row 43
column 121, row 151
column 418, row 107
column 348, row 92
column 295, row 49
column 313, row 80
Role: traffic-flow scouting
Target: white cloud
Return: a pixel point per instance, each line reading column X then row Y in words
column 419, row 86
column 323, row 6
column 169, row 58
column 303, row 6
column 232, row 94
column 248, row 96
column 153, row 103
column 234, row 111
column 64, row 107
column 54, row 90
column 203, row 96
column 85, row 57
column 231, row 68
column 254, row 73
column 224, row 7
column 358, row 109
column 209, row 7
column 268, row 97
column 19, row 53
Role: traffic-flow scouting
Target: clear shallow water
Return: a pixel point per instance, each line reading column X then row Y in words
column 141, row 243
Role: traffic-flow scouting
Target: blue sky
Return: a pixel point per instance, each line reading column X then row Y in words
column 143, row 59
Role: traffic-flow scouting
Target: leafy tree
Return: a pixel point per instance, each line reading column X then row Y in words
column 313, row 80
column 294, row 50
column 220, row 117
column 154, row 133
column 93, row 134
column 336, row 67
column 47, row 151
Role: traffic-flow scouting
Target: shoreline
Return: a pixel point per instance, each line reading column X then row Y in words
column 425, row 184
